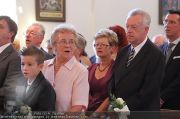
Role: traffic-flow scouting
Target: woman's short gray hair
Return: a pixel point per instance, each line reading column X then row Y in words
column 62, row 28
column 81, row 41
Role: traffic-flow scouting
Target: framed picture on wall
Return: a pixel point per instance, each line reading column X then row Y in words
column 50, row 10
column 165, row 5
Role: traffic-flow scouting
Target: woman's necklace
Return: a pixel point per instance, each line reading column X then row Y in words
column 101, row 70
column 56, row 68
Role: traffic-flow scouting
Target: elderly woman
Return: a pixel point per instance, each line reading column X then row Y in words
column 100, row 73
column 68, row 76
column 80, row 52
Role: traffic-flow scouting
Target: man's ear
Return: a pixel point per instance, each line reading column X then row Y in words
column 41, row 39
column 147, row 29
column 41, row 66
column 10, row 35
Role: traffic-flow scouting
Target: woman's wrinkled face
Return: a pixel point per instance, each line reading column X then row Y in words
column 64, row 44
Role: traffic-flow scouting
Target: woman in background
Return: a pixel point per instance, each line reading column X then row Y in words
column 100, row 73
column 80, row 52
column 122, row 39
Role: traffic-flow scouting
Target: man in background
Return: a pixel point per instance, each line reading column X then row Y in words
column 34, row 36
column 10, row 66
column 170, row 89
column 159, row 40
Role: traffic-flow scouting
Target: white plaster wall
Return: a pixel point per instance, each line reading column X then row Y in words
column 88, row 16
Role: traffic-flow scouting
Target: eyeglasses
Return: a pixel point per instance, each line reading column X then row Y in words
column 100, row 45
column 64, row 42
column 32, row 34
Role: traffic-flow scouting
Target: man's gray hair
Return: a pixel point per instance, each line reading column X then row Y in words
column 145, row 15
column 40, row 26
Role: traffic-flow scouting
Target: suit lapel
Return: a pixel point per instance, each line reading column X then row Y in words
column 120, row 64
column 6, row 53
column 140, row 56
column 34, row 86
column 42, row 50
column 175, row 52
column 123, row 70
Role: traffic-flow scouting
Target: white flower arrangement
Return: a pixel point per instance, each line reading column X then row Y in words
column 119, row 105
column 23, row 111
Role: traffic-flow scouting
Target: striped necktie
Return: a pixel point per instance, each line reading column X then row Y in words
column 169, row 51
column 131, row 56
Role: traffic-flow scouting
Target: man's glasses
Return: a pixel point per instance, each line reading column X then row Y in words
column 100, row 45
column 32, row 34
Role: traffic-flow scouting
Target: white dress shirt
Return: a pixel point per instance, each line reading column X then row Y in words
column 4, row 47
column 138, row 48
column 29, row 83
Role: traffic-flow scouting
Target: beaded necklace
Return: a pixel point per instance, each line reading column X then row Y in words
column 101, row 70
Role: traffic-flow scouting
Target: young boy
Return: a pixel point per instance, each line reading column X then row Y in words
column 39, row 94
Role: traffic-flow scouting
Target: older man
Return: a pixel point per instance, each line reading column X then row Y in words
column 137, row 71
column 159, row 39
column 34, row 36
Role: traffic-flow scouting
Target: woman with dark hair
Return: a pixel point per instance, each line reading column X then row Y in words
column 122, row 39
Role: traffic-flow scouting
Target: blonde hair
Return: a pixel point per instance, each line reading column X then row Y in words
column 111, row 35
column 16, row 44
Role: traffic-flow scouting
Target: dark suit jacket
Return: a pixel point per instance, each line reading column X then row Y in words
column 139, row 84
column 170, row 89
column 47, row 56
column 10, row 73
column 41, row 95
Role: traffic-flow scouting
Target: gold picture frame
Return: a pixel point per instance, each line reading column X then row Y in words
column 165, row 5
column 50, row 10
